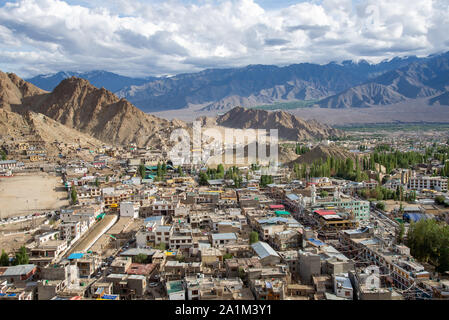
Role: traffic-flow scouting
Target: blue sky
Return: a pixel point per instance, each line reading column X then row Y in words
column 141, row 38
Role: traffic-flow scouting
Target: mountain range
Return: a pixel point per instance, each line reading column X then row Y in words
column 420, row 79
column 100, row 79
column 334, row 85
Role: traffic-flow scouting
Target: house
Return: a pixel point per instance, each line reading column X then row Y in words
column 222, row 239
column 129, row 209
column 343, row 287
column 18, row 275
column 267, row 255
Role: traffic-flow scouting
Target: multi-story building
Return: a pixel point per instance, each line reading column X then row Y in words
column 425, row 182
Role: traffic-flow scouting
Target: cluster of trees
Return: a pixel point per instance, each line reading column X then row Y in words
column 398, row 159
column 3, row 154
column 428, row 241
column 299, row 149
column 20, row 258
column 161, row 171
column 218, row 173
column 265, row 180
column 332, row 167
column 232, row 173
column 381, row 193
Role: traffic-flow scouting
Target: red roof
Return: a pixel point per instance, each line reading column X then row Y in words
column 324, row 212
column 276, row 206
column 141, row 269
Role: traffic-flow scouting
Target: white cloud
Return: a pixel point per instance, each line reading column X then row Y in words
column 140, row 38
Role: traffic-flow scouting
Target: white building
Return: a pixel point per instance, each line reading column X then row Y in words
column 343, row 287
column 129, row 209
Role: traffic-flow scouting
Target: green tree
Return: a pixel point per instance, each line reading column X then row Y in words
column 439, row 200
column 3, row 154
column 21, row 256
column 161, row 246
column 428, row 241
column 74, row 195
column 380, row 206
column 4, row 259
column 180, row 172
column 142, row 171
column 141, row 258
column 97, row 182
column 241, row 273
column 324, row 194
column 400, row 233
column 253, row 237
column 265, row 180
column 203, row 179
column 220, row 172
column 227, row 256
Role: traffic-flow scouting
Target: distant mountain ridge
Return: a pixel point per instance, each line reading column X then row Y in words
column 421, row 79
column 222, row 89
column 108, row 80
column 335, row 85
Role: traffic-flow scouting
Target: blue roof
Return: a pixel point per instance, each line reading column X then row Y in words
column 414, row 217
column 292, row 196
column 109, row 297
column 153, row 218
column 272, row 220
column 263, row 249
column 316, row 242
column 77, row 255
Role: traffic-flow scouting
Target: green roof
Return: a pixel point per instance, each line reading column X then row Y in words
column 281, row 212
column 174, row 286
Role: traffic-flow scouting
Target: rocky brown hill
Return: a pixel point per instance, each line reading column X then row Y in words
column 14, row 91
column 99, row 113
column 290, row 127
column 322, row 152
column 38, row 127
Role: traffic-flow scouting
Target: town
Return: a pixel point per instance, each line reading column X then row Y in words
column 128, row 224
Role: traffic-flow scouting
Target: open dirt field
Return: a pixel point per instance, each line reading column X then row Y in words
column 27, row 193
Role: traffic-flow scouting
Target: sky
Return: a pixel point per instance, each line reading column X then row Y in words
column 155, row 37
